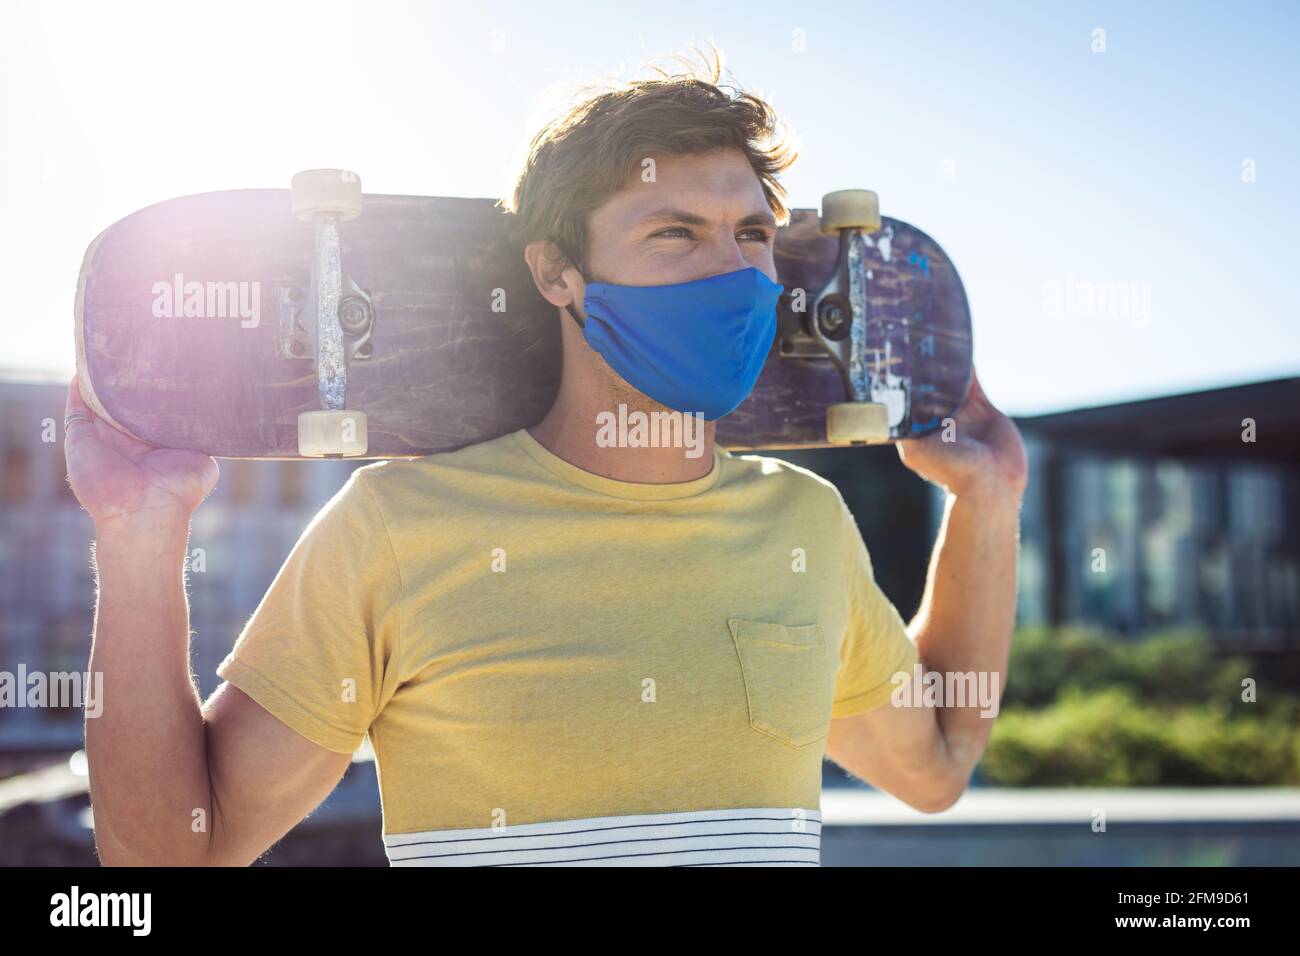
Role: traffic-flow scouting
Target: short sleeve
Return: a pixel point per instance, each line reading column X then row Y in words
column 875, row 645
column 321, row 650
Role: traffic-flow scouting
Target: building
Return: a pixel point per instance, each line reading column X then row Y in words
column 1179, row 512
column 1139, row 517
column 239, row 538
column 1174, row 513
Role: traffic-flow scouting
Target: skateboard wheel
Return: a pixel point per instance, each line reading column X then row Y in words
column 850, row 209
column 332, row 433
column 323, row 192
column 857, row 423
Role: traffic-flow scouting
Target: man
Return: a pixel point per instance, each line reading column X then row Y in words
column 563, row 651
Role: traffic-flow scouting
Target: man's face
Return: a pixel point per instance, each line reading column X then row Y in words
column 700, row 216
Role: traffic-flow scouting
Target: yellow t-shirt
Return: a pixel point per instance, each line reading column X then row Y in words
column 557, row 667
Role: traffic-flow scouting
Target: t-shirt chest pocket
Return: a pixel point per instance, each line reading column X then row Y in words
column 789, row 677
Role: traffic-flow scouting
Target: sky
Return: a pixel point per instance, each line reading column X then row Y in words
column 1116, row 182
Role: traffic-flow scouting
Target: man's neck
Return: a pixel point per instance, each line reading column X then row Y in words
column 572, row 430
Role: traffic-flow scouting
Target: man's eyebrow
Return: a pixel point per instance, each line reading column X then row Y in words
column 668, row 214
column 758, row 219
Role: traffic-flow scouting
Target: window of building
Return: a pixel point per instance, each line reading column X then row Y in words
column 242, row 481
column 16, row 479
column 292, row 481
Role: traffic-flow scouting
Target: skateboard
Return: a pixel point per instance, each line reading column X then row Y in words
column 320, row 322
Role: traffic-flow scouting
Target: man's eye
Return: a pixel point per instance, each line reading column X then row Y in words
column 681, row 232
column 758, row 235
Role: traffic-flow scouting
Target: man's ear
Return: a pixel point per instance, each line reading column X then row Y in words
column 553, row 274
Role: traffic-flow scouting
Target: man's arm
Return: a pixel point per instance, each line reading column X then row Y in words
column 925, row 756
column 173, row 782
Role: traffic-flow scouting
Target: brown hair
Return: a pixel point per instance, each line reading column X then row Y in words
column 587, row 153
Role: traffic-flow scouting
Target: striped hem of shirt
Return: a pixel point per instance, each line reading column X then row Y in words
column 745, row 836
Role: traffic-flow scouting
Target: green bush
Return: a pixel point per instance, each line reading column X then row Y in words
column 1086, row 709
column 1177, row 667
column 1109, row 738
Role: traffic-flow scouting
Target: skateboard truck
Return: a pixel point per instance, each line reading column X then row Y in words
column 838, row 321
column 326, row 197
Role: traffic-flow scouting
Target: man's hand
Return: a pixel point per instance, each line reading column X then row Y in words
column 987, row 453
column 122, row 481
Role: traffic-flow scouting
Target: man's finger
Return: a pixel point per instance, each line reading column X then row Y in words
column 76, row 405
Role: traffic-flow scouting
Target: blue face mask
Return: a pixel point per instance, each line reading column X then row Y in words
column 692, row 346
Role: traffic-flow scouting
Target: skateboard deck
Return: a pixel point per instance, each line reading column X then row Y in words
column 196, row 328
